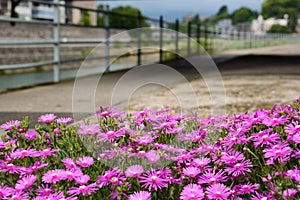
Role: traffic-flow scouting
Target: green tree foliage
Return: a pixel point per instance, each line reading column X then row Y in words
column 279, row 29
column 222, row 14
column 85, row 18
column 124, row 17
column 278, row 8
column 243, row 14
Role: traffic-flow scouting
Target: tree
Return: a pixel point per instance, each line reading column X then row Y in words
column 123, row 17
column 278, row 8
column 85, row 19
column 221, row 14
column 243, row 14
column 279, row 29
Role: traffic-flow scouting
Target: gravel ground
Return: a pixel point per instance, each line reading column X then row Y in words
column 250, row 82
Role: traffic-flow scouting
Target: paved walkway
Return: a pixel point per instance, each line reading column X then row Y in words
column 57, row 98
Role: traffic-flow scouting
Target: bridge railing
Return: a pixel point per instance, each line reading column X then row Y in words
column 37, row 51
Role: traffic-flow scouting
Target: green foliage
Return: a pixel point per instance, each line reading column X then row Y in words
column 243, row 14
column 121, row 21
column 278, row 8
column 279, row 29
column 85, row 19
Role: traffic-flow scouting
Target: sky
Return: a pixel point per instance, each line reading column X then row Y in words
column 172, row 9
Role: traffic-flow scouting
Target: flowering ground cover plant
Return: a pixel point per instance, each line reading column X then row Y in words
column 154, row 155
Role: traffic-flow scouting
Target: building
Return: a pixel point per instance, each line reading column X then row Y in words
column 28, row 10
column 260, row 26
column 224, row 25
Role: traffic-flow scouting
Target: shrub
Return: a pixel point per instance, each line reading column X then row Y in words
column 154, row 155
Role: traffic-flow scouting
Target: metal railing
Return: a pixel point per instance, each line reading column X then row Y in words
column 213, row 40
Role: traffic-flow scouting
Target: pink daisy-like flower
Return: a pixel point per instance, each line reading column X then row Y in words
column 10, row 167
column 25, row 182
column 10, row 124
column 82, row 180
column 201, row 162
column 289, row 193
column 83, row 189
column 21, row 153
column 104, row 179
column 191, row 172
column 218, row 191
column 30, row 134
column 47, row 118
column 88, row 129
column 192, row 192
column 153, row 180
column 73, row 173
column 85, row 161
column 232, row 157
column 5, row 190
column 280, row 151
column 239, row 168
column 69, row 163
column 264, row 138
column 53, row 176
column 210, row 176
column 246, row 188
column 142, row 195
column 152, row 156
column 17, row 195
column 64, row 120
column 47, row 152
column 134, row 171
column 45, row 190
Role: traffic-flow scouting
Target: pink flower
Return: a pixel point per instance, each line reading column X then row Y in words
column 192, row 192
column 30, row 135
column 45, row 190
column 47, row 118
column 83, row 189
column 134, row 171
column 211, row 176
column 191, row 172
column 289, row 193
column 64, row 120
column 25, row 182
column 85, row 161
column 5, row 191
column 8, row 126
column 152, row 156
column 47, row 152
column 21, row 153
column 279, row 151
column 82, row 180
column 201, row 162
column 73, row 173
column 218, row 191
column 89, row 129
column 53, row 176
column 69, row 163
column 142, row 195
column 239, row 168
column 247, row 188
column 153, row 180
column 232, row 157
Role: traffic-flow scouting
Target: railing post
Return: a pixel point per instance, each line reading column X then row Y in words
column 139, row 53
column 177, row 38
column 205, row 37
column 107, row 35
column 161, row 25
column 189, row 38
column 198, row 38
column 56, row 51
